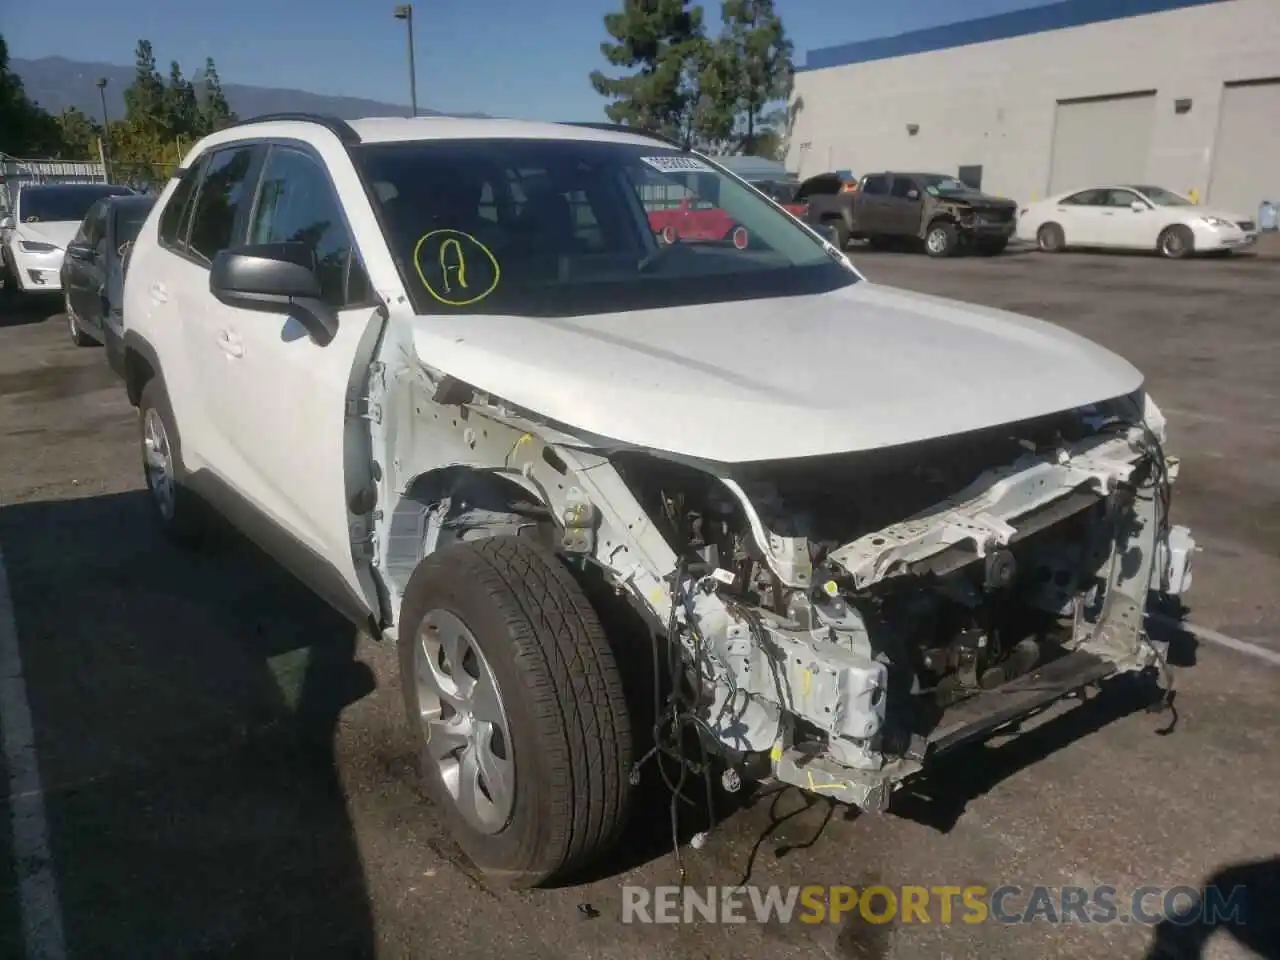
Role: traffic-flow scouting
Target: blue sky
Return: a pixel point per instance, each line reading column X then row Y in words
column 501, row 57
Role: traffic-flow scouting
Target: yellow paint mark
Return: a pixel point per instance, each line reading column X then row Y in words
column 806, row 684
column 453, row 261
column 776, row 753
column 838, row 784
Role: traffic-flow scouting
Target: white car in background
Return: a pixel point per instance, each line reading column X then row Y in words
column 34, row 238
column 1133, row 218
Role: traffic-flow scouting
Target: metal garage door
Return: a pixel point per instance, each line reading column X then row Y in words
column 1246, row 158
column 1101, row 140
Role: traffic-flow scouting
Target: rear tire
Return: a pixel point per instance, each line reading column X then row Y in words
column 520, row 625
column 842, row 232
column 181, row 514
column 1050, row 239
column 941, row 239
column 1176, row 242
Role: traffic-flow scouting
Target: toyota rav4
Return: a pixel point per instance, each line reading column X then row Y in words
column 610, row 495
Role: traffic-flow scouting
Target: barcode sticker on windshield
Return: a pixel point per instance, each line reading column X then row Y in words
column 677, row 164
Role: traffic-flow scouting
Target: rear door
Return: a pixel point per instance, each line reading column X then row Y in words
column 1081, row 217
column 297, row 455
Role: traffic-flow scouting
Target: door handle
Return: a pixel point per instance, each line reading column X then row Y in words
column 230, row 344
column 158, row 293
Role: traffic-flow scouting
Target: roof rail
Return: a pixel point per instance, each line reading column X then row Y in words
column 338, row 127
column 623, row 128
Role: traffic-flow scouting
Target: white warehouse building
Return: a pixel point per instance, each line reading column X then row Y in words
column 1184, row 94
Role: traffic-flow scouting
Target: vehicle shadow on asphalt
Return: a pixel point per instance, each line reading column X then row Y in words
column 185, row 706
column 1248, row 895
column 18, row 310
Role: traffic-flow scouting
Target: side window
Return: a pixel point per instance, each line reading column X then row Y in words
column 1087, row 198
column 223, row 193
column 1121, row 198
column 902, row 186
column 175, row 216
column 876, row 185
column 297, row 204
column 95, row 227
column 91, row 229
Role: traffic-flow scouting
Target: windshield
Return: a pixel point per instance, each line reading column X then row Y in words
column 130, row 215
column 65, row 203
column 566, row 227
column 937, row 186
column 1163, row 198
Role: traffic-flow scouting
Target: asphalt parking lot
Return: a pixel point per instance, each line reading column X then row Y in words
column 224, row 772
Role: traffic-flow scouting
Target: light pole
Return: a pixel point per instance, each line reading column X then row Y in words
column 101, row 84
column 404, row 11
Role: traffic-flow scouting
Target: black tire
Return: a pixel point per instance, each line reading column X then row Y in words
column 187, row 523
column 842, row 232
column 1176, row 242
column 941, row 239
column 563, row 697
column 1050, row 239
column 991, row 248
column 78, row 336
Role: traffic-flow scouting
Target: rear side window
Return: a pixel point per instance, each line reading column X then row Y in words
column 174, row 217
column 223, row 199
column 876, row 185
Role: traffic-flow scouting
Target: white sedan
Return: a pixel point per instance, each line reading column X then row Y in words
column 1134, row 218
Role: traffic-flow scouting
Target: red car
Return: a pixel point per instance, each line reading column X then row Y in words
column 696, row 219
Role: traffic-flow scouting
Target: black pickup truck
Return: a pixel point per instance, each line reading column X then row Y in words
column 938, row 210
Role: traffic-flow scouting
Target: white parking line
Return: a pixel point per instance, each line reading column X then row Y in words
column 37, row 884
column 1221, row 639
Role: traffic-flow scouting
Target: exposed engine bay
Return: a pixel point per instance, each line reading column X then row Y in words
column 846, row 615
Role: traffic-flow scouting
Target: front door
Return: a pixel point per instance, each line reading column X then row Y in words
column 300, row 458
column 1133, row 223
column 84, row 273
column 903, row 208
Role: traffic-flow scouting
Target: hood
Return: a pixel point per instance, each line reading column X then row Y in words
column 980, row 201
column 863, row 367
column 58, row 232
column 1218, row 212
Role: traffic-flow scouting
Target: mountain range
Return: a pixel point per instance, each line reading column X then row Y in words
column 57, row 83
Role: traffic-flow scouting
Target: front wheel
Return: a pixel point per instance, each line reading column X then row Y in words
column 516, row 706
column 1050, row 238
column 1176, row 242
column 942, row 239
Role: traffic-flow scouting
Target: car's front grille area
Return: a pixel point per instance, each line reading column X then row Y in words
column 1248, row 226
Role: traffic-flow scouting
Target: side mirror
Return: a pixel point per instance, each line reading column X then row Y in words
column 1138, row 206
column 79, row 251
column 274, row 278
column 913, row 194
column 6, row 222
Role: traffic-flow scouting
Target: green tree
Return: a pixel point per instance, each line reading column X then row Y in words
column 25, row 128
column 216, row 112
column 662, row 41
column 752, row 64
column 146, row 100
column 78, row 133
column 183, row 116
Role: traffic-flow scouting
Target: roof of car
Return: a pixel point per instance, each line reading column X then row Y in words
column 402, row 129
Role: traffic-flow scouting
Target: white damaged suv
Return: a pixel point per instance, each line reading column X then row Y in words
column 603, row 490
